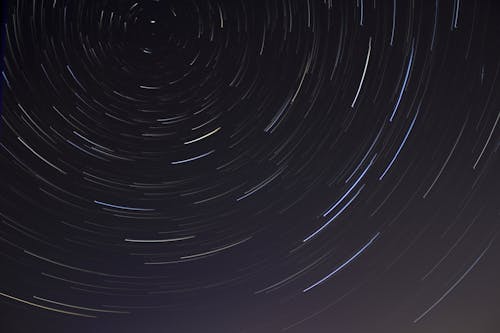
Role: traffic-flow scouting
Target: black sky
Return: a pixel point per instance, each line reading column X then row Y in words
column 250, row 166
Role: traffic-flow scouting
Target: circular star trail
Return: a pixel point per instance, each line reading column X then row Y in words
column 253, row 166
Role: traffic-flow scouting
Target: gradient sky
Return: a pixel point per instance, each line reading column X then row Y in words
column 250, row 166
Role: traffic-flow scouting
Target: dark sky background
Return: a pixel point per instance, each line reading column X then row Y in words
column 250, row 166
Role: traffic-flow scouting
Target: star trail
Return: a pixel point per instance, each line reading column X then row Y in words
column 250, row 166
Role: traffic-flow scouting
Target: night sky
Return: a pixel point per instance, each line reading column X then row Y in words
column 250, row 166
